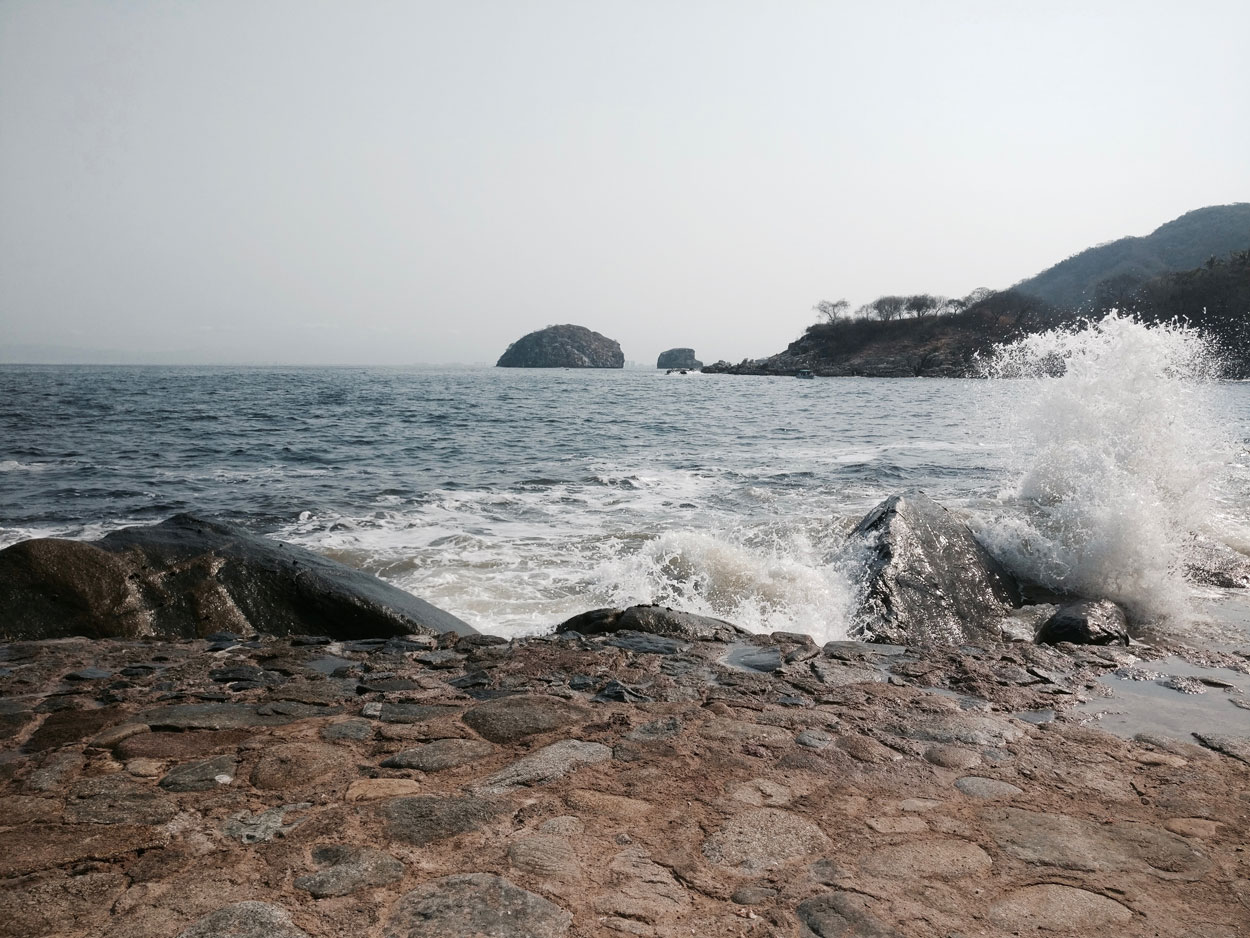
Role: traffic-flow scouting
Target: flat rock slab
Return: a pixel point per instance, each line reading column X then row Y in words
column 763, row 839
column 246, row 920
column 413, row 712
column 426, row 819
column 349, row 868
column 295, row 765
column 56, row 846
column 989, row 788
column 440, row 755
column 545, row 854
column 545, row 765
column 475, row 905
column 509, row 719
column 641, row 890
column 113, row 799
column 209, row 716
column 1073, row 844
column 1051, row 907
column 970, row 729
column 942, row 860
column 841, row 915
column 1236, row 746
column 204, row 775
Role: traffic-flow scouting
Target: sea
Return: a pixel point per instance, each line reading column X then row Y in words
column 1087, row 460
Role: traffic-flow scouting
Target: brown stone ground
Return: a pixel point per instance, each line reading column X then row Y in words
column 627, row 785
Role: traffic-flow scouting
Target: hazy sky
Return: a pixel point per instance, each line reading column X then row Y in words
column 402, row 182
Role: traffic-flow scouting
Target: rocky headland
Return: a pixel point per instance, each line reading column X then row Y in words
column 638, row 771
column 565, row 346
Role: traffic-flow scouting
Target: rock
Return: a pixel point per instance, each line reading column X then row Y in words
column 373, row 789
column 839, row 914
column 508, row 719
column 206, row 716
column 1085, row 623
column 294, row 765
column 1213, row 563
column 189, row 577
column 54, row 845
column 439, row 755
column 952, row 757
column 261, row 828
column 989, row 788
column 1051, row 907
column 68, row 726
column 813, row 739
column 678, row 358
column 113, row 799
column 927, row 581
column 942, row 860
column 475, row 905
column 1238, row 747
column 204, row 775
column 546, row 855
column 971, row 729
column 427, row 819
column 545, row 765
column 411, row 712
column 653, row 620
column 565, row 346
column 349, row 868
column 245, row 920
column 639, row 889
column 763, row 839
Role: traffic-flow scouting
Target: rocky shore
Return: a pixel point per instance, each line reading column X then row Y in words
column 627, row 782
column 639, row 771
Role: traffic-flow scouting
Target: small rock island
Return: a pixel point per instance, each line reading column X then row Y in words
column 678, row 358
column 563, row 347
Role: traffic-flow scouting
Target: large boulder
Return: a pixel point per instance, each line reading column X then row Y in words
column 1099, row 622
column 926, row 579
column 678, row 358
column 563, row 347
column 653, row 620
column 189, row 577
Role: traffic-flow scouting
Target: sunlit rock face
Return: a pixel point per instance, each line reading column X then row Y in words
column 563, row 347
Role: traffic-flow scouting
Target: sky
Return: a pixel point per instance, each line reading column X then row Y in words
column 368, row 182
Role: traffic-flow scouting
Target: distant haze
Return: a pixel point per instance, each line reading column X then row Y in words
column 402, row 182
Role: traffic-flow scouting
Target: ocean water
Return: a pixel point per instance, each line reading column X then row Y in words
column 516, row 498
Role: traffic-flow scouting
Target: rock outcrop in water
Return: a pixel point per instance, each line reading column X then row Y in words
column 927, row 580
column 653, row 620
column 189, row 577
column 563, row 347
column 1085, row 623
column 678, row 358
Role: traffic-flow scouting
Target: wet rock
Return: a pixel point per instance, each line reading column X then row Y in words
column 427, row 819
column 348, row 869
column 439, row 755
column 188, row 577
column 927, row 580
column 201, row 776
column 508, row 719
column 640, row 643
column 294, row 765
column 763, row 839
column 261, row 828
column 989, row 788
column 545, row 765
column 245, row 920
column 653, row 620
column 1051, row 907
column 1085, row 623
column 1213, row 563
column 839, row 914
column 474, row 905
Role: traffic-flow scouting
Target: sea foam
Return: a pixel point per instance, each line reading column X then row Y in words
column 1118, row 458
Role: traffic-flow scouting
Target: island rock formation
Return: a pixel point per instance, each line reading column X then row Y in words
column 563, row 347
column 189, row 577
column 678, row 358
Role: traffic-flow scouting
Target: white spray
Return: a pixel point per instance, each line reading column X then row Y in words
column 1119, row 452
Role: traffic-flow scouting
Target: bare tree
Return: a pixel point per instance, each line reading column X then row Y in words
column 886, row 308
column 833, row 310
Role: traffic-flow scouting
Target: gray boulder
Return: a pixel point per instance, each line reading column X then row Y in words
column 189, row 577
column 1085, row 623
column 926, row 579
column 475, row 905
column 653, row 620
column 678, row 358
column 563, row 347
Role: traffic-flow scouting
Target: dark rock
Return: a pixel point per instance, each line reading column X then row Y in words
column 678, row 358
column 475, row 905
column 1212, row 563
column 508, row 719
column 616, row 692
column 656, row 730
column 439, row 755
column 640, row 643
column 412, row 712
column 68, row 726
column 841, row 914
column 246, row 920
column 89, row 674
column 563, row 347
column 1085, row 623
column 207, row 716
column 348, row 729
column 188, row 577
column 349, row 869
column 927, row 580
column 427, row 819
column 654, row 620
column 201, row 776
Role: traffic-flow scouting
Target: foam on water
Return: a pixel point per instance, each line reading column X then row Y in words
column 1120, row 459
